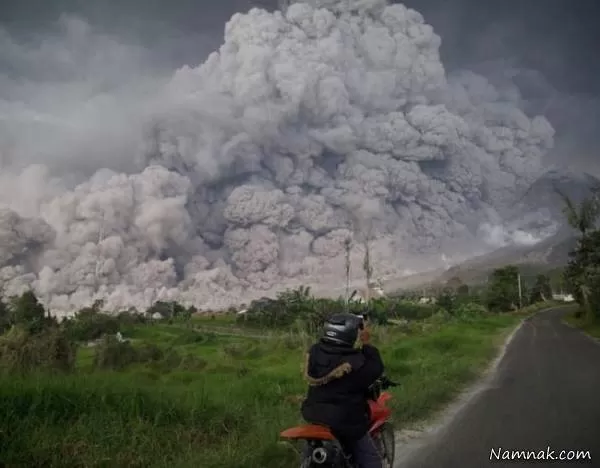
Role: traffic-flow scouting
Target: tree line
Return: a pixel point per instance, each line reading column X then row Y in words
column 30, row 336
column 582, row 274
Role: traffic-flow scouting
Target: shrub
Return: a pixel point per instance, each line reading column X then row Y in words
column 149, row 353
column 470, row 311
column 440, row 317
column 5, row 317
column 131, row 317
column 89, row 324
column 171, row 310
column 297, row 309
column 412, row 311
column 115, row 355
column 267, row 312
column 22, row 351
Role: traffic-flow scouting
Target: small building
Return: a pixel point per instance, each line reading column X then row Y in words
column 427, row 300
column 563, row 297
column 374, row 292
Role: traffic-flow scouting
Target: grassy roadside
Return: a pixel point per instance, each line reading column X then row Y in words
column 227, row 407
column 592, row 329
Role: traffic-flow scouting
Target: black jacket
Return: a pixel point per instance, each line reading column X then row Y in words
column 338, row 381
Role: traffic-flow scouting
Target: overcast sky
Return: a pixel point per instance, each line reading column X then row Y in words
column 89, row 86
column 557, row 38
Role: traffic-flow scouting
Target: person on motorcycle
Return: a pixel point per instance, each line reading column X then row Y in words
column 339, row 374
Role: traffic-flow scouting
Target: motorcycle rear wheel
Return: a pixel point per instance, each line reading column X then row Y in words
column 307, row 461
column 387, row 444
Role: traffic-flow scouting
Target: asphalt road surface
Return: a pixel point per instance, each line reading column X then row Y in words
column 545, row 396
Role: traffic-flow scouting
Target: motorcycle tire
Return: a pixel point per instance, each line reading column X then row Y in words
column 387, row 442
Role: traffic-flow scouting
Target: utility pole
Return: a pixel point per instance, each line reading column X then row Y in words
column 101, row 235
column 520, row 292
column 347, row 247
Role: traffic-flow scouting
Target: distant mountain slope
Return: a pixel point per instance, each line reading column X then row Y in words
column 546, row 255
column 538, row 211
column 541, row 206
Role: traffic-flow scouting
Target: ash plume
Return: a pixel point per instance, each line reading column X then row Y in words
column 245, row 174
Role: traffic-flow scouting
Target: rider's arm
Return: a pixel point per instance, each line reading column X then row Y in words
column 372, row 368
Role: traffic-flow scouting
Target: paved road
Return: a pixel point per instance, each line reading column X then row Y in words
column 546, row 393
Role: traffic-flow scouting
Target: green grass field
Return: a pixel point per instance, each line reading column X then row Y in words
column 224, row 400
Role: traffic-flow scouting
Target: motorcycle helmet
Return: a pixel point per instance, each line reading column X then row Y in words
column 342, row 329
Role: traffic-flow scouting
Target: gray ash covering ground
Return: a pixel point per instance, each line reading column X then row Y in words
column 244, row 175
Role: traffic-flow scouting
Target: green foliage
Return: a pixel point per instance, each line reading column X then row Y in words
column 113, row 354
column 380, row 310
column 456, row 286
column 224, row 410
column 130, row 318
column 298, row 308
column 289, row 308
column 172, row 395
column 455, row 296
column 409, row 310
column 582, row 217
column 447, row 300
column 27, row 312
column 23, row 351
column 30, row 340
column 576, row 319
column 5, row 317
column 503, row 290
column 171, row 310
column 266, row 312
column 469, row 311
column 149, row 352
column 188, row 337
column 89, row 324
column 582, row 274
column 541, row 290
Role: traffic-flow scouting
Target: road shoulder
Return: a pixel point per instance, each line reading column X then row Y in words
column 410, row 440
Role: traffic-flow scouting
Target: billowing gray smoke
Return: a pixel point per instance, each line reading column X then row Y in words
column 328, row 120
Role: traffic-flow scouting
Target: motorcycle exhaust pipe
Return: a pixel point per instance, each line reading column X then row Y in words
column 319, row 455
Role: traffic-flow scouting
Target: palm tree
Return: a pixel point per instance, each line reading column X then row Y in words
column 582, row 218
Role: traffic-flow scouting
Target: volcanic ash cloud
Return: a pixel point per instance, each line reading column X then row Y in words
column 331, row 119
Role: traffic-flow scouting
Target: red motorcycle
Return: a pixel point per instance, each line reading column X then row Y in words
column 323, row 450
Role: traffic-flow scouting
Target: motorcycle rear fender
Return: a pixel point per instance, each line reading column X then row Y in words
column 380, row 413
column 308, row 432
column 384, row 398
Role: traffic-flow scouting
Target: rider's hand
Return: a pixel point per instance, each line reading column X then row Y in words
column 364, row 335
